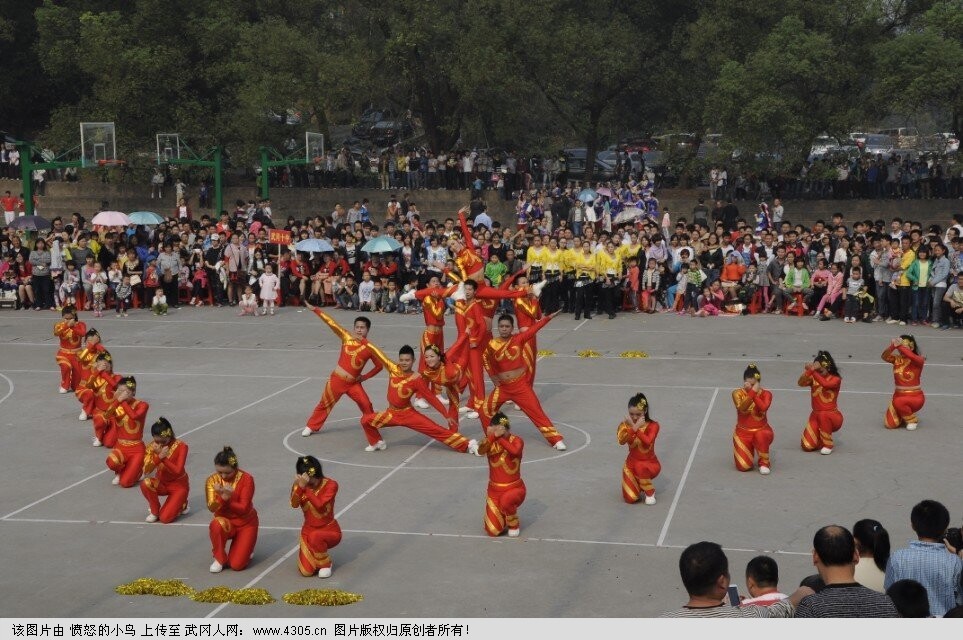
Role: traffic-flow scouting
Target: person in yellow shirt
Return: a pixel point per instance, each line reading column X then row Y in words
column 553, row 259
column 905, row 288
column 630, row 250
column 569, row 255
column 534, row 258
column 586, row 269
column 609, row 265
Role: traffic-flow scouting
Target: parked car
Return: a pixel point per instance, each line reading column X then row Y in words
column 876, row 143
column 903, row 137
column 823, row 146
column 369, row 119
column 575, row 164
column 389, row 132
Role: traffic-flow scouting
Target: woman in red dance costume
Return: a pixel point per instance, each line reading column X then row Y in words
column 124, row 420
column 903, row 353
column 641, row 466
column 165, row 474
column 823, row 379
column 70, row 332
column 506, row 491
column 314, row 494
column 753, row 433
column 93, row 347
column 97, row 396
column 230, row 497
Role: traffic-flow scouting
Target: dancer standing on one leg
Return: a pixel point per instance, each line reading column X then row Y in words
column 903, row 353
column 314, row 494
column 753, row 433
column 505, row 362
column 506, row 491
column 230, row 497
column 403, row 383
column 822, row 376
column 346, row 377
column 71, row 333
column 641, row 465
column 125, row 419
column 165, row 474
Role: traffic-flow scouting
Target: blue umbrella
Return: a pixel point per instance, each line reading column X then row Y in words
column 314, row 245
column 381, row 244
column 148, row 218
column 587, row 195
column 30, row 223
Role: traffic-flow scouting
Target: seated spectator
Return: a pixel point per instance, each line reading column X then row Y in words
column 762, row 582
column 872, row 544
column 835, row 557
column 910, row 599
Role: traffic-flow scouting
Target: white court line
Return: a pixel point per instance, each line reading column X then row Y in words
column 337, row 515
column 576, row 328
column 688, row 467
column 10, row 391
column 731, row 359
column 679, row 386
column 180, row 374
column 195, row 429
column 417, row 534
column 164, row 346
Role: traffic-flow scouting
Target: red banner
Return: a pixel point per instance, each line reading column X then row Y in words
column 279, row 236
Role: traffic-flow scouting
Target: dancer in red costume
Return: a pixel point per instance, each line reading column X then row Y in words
column 903, row 353
column 505, row 361
column 70, row 332
column 346, row 377
column 506, row 491
column 432, row 300
column 641, row 466
column 822, row 376
column 314, row 494
column 403, row 383
column 165, row 474
column 97, row 396
column 753, row 433
column 446, row 371
column 93, row 347
column 230, row 497
column 528, row 311
column 124, row 421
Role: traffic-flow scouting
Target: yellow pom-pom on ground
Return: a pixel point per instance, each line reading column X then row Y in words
column 589, row 353
column 545, row 353
column 322, row 597
column 633, row 354
column 154, row 587
column 214, row 595
column 252, row 596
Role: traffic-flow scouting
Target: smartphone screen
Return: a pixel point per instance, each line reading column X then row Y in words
column 733, row 595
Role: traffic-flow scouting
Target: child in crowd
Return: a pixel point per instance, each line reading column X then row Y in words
column 495, row 270
column 853, row 287
column 70, row 285
column 248, row 303
column 695, row 278
column 379, row 298
column 633, row 284
column 834, row 289
column 763, row 258
column 122, row 296
column 347, row 296
column 650, row 286
column 159, row 304
column 394, row 305
column 867, row 304
column 86, row 279
column 199, row 288
column 366, row 292
column 114, row 276
column 98, row 288
column 270, row 286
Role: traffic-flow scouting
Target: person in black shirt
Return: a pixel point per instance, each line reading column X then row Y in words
column 212, row 256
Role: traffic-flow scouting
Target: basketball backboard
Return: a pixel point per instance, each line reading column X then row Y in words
column 168, row 147
column 98, row 143
column 313, row 146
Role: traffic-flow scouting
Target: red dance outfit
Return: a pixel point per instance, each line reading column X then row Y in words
column 70, row 340
column 96, row 397
column 234, row 520
column 528, row 311
column 753, row 433
column 433, row 308
column 448, row 375
column 354, row 355
column 169, row 480
column 506, row 491
column 908, row 396
column 401, row 387
column 320, row 530
column 506, row 355
column 85, row 362
column 125, row 426
column 641, row 465
column 825, row 418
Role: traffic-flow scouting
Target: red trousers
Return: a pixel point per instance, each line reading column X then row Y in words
column 820, row 429
column 177, row 493
column 69, row 369
column 333, row 390
column 242, row 538
column 127, row 460
column 314, row 545
column 746, row 442
column 903, row 407
column 530, row 354
column 92, row 404
column 501, row 507
column 475, row 372
column 637, row 478
column 521, row 393
column 410, row 418
column 104, row 430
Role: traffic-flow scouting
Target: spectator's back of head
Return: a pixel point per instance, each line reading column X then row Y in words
column 955, row 612
column 910, row 599
column 930, row 519
column 814, row 582
column 763, row 571
column 871, row 537
column 835, row 546
column 700, row 566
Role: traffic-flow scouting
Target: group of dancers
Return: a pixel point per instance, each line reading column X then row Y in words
column 118, row 417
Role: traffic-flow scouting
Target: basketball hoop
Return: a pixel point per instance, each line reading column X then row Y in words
column 111, row 163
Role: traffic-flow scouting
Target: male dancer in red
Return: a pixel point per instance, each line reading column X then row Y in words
column 346, row 377
column 752, row 432
column 404, row 382
column 528, row 311
column 505, row 363
column 908, row 398
column 506, row 491
column 71, row 333
column 822, row 376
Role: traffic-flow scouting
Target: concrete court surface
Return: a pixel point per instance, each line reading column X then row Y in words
column 414, row 543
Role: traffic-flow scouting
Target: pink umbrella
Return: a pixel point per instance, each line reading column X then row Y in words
column 604, row 191
column 111, row 219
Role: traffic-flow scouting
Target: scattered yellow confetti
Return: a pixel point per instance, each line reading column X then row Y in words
column 322, row 597
column 252, row 596
column 545, row 353
column 154, row 587
column 215, row 595
column 633, row 354
column 589, row 353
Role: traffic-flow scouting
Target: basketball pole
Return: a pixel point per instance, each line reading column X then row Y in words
column 216, row 164
column 27, row 167
column 265, row 154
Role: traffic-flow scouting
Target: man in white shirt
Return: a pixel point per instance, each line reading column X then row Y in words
column 483, row 218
